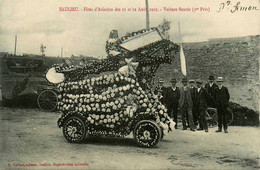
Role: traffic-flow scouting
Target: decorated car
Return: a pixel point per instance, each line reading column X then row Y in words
column 110, row 97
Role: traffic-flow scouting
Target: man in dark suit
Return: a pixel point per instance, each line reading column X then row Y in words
column 185, row 104
column 210, row 88
column 194, row 108
column 222, row 99
column 201, row 100
column 171, row 101
column 160, row 90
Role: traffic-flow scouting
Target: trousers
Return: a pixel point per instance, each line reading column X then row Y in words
column 173, row 112
column 203, row 120
column 187, row 110
column 222, row 117
column 195, row 114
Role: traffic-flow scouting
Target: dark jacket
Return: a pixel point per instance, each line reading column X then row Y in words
column 163, row 91
column 172, row 97
column 201, row 99
column 188, row 97
column 222, row 97
column 193, row 92
column 211, row 93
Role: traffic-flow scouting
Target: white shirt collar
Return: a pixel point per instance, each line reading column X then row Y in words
column 199, row 89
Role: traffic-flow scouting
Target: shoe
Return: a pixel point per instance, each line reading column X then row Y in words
column 225, row 130
column 219, row 130
column 184, row 128
column 200, row 129
column 193, row 130
column 206, row 130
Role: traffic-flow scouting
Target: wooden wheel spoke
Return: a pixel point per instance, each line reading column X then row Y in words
column 48, row 103
column 43, row 97
column 42, row 101
column 52, row 103
column 53, row 97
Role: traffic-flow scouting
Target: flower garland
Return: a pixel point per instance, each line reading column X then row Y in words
column 110, row 104
column 146, row 56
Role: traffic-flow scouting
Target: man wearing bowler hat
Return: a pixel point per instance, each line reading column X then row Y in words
column 210, row 88
column 171, row 100
column 222, row 99
column 186, row 104
column 201, row 101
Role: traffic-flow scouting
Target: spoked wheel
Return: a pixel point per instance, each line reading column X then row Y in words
column 47, row 100
column 147, row 133
column 212, row 117
column 74, row 130
column 230, row 116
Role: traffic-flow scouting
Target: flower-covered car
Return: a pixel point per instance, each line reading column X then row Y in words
column 111, row 105
column 95, row 102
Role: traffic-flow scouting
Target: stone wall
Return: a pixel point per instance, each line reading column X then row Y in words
column 235, row 59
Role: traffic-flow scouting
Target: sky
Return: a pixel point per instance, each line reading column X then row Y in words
column 37, row 22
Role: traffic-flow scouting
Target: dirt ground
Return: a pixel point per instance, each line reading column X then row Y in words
column 30, row 139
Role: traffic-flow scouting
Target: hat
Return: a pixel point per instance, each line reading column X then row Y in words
column 220, row 79
column 173, row 81
column 161, row 81
column 198, row 81
column 191, row 81
column 211, row 78
column 184, row 80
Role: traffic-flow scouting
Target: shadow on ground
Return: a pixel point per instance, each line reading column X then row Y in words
column 28, row 101
column 109, row 141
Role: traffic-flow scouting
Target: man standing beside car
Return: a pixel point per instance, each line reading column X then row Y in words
column 201, row 100
column 210, row 88
column 222, row 99
column 195, row 112
column 171, row 101
column 186, row 104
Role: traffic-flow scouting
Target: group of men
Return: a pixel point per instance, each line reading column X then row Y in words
column 192, row 101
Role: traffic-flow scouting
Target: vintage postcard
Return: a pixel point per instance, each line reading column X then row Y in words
column 129, row 84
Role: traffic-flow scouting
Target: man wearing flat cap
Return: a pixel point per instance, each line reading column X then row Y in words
column 210, row 88
column 201, row 101
column 222, row 100
column 171, row 100
column 186, row 104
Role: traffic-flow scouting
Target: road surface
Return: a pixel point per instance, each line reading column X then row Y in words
column 31, row 139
